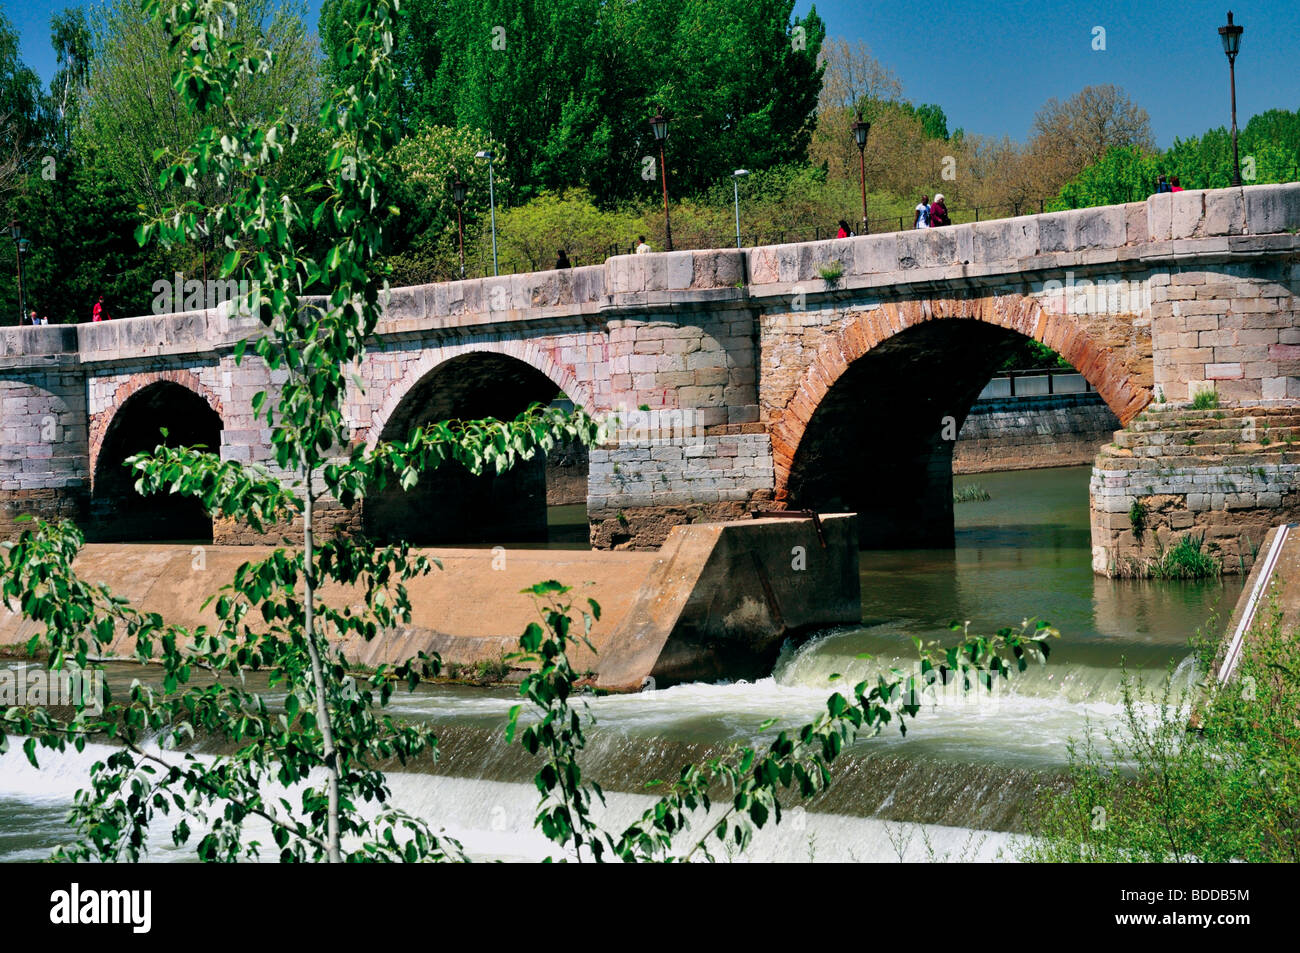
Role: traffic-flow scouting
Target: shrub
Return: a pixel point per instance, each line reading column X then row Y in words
column 1151, row 791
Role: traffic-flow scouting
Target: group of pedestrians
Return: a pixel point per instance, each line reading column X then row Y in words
column 931, row 214
column 1168, row 185
column 98, row 313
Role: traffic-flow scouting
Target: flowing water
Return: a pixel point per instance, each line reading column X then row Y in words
column 955, row 787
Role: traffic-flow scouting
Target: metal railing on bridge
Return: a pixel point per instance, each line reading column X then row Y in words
column 1011, row 385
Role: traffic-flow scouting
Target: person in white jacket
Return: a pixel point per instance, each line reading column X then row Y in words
column 923, row 213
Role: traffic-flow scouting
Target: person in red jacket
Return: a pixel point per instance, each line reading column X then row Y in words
column 1173, row 184
column 939, row 212
column 100, row 313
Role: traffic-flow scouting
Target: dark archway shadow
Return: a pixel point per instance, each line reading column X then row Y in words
column 120, row 514
column 452, row 505
column 881, row 441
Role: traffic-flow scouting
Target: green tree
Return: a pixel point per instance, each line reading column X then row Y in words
column 426, row 164
column 569, row 85
column 1122, row 174
column 80, row 225
column 20, row 98
column 132, row 110
column 70, row 38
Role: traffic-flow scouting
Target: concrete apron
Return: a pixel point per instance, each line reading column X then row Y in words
column 716, row 601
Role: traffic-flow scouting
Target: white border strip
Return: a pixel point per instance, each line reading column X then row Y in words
column 1233, row 655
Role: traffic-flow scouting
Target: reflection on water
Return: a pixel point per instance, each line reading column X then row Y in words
column 966, row 762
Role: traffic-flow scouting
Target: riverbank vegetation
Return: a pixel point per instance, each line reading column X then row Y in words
column 1189, row 557
column 970, row 493
column 1157, row 790
column 560, row 93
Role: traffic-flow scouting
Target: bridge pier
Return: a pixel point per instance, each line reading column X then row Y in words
column 43, row 426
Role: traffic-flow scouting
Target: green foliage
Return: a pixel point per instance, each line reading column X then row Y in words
column 831, row 272
column 1205, row 400
column 970, row 493
column 1186, row 559
column 1137, row 518
column 80, row 249
column 1153, row 791
column 20, row 100
column 425, row 165
column 531, row 234
column 1029, row 354
column 568, row 86
column 133, row 109
column 1122, row 174
column 1269, row 146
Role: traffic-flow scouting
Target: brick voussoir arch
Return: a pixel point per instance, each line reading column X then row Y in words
column 539, row 357
column 1098, row 365
column 101, row 422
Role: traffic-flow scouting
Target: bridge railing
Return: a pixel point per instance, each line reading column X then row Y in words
column 1040, row 382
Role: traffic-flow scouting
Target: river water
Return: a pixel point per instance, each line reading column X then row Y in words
column 956, row 787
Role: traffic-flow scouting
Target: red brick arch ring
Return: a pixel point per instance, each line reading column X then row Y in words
column 100, row 422
column 1104, row 370
column 536, row 355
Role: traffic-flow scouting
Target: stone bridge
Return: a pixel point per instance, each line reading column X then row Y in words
column 829, row 375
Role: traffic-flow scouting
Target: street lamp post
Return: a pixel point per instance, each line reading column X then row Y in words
column 659, row 126
column 20, row 246
column 458, row 192
column 492, row 200
column 735, row 184
column 860, row 131
column 1231, row 37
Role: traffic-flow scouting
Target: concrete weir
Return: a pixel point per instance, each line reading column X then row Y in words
column 716, row 601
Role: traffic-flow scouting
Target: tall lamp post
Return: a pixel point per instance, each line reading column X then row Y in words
column 860, row 131
column 458, row 192
column 492, row 200
column 1231, row 37
column 20, row 246
column 659, row 126
column 735, row 184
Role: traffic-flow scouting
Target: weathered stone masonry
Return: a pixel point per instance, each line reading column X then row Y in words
column 743, row 379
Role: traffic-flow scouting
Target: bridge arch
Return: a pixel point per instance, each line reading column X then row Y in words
column 141, row 408
column 451, row 505
column 532, row 353
column 872, row 422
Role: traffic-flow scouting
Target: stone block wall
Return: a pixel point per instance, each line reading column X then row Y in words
column 1234, row 329
column 1021, row 434
column 686, row 443
column 43, row 470
column 1224, row 477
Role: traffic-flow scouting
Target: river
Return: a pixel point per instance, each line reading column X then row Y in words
column 955, row 788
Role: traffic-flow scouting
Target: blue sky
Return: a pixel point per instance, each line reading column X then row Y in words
column 992, row 63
